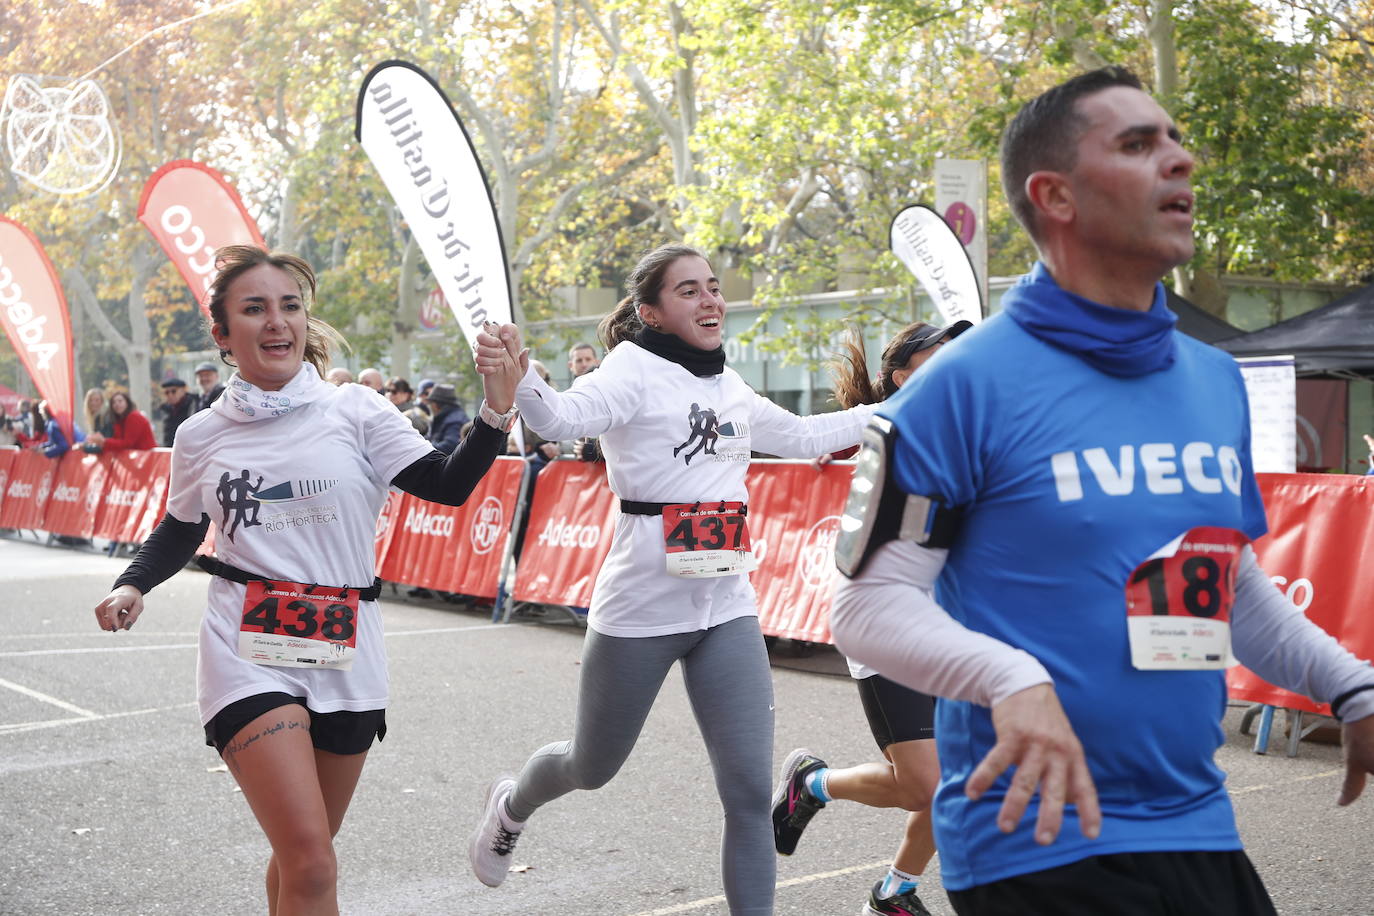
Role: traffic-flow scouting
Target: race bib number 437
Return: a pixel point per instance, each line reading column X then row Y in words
column 706, row 540
column 299, row 626
column 1178, row 602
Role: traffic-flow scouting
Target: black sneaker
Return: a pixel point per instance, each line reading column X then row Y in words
column 907, row 904
column 793, row 805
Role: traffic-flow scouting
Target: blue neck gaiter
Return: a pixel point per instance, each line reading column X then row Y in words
column 1121, row 342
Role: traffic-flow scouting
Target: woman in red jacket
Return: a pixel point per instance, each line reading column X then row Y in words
column 131, row 427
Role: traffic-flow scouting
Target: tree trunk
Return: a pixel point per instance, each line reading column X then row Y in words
column 1161, row 31
column 408, row 301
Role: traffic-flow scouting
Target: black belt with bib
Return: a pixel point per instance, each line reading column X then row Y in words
column 631, row 507
column 234, row 574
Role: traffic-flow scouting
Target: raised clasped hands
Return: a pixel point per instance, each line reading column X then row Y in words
column 1034, row 735
column 502, row 360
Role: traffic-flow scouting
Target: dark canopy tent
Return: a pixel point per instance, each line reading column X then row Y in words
column 1336, row 339
column 1194, row 322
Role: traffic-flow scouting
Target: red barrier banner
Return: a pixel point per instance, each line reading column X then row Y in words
column 192, row 210
column 386, row 525
column 456, row 548
column 1319, row 537
column 794, row 518
column 7, row 456
column 76, row 493
column 34, row 314
column 26, row 493
column 159, row 475
column 128, row 483
column 572, row 518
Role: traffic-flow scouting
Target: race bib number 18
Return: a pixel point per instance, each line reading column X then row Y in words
column 299, row 626
column 1178, row 602
column 707, row 540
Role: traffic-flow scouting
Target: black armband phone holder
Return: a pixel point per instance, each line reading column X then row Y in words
column 879, row 510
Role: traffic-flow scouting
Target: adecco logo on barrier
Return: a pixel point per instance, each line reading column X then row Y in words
column 560, row 533
column 486, row 525
column 818, row 551
column 418, row 521
column 128, row 499
column 66, row 494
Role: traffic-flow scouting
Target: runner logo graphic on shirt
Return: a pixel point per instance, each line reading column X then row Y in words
column 246, row 499
column 704, row 429
column 702, row 423
column 236, row 494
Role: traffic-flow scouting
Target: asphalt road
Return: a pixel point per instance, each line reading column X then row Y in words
column 111, row 804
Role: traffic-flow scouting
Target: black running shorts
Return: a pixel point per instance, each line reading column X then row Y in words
column 896, row 713
column 1127, row 884
column 336, row 732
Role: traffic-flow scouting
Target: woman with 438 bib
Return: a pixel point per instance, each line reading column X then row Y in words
column 676, row 426
column 291, row 667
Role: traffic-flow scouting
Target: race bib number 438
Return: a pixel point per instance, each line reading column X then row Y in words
column 1178, row 602
column 706, row 540
column 299, row 626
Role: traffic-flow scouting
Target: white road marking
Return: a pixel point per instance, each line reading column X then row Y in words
column 60, row 704
column 86, row 650
column 790, row 882
column 16, row 727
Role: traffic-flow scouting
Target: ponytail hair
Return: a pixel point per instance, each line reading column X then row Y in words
column 852, row 385
column 623, row 323
column 231, row 261
column 644, row 284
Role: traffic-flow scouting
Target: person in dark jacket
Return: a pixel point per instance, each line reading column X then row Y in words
column 176, row 406
column 207, row 377
column 445, row 430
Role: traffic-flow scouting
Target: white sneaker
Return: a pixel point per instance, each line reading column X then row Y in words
column 491, row 845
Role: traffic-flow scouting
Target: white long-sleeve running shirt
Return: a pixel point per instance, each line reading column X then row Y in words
column 669, row 436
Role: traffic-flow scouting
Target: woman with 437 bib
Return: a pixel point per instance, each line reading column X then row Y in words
column 677, row 427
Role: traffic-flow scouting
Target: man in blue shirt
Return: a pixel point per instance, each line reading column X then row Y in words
column 1098, row 464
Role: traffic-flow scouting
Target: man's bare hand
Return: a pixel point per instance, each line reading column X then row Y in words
column 1034, row 735
column 1357, row 740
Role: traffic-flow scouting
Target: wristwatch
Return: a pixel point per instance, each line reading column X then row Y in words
column 501, row 421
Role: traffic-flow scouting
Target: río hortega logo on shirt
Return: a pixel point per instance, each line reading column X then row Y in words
column 704, row 429
column 244, row 498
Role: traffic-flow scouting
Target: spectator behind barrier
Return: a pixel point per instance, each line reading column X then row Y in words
column 57, row 444
column 448, row 418
column 399, row 392
column 98, row 419
column 207, row 377
column 372, row 378
column 176, row 406
column 28, row 426
column 132, row 430
column 583, row 360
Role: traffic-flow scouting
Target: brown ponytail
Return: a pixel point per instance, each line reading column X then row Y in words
column 621, row 324
column 852, row 385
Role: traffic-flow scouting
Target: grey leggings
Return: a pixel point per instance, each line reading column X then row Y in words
column 730, row 687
